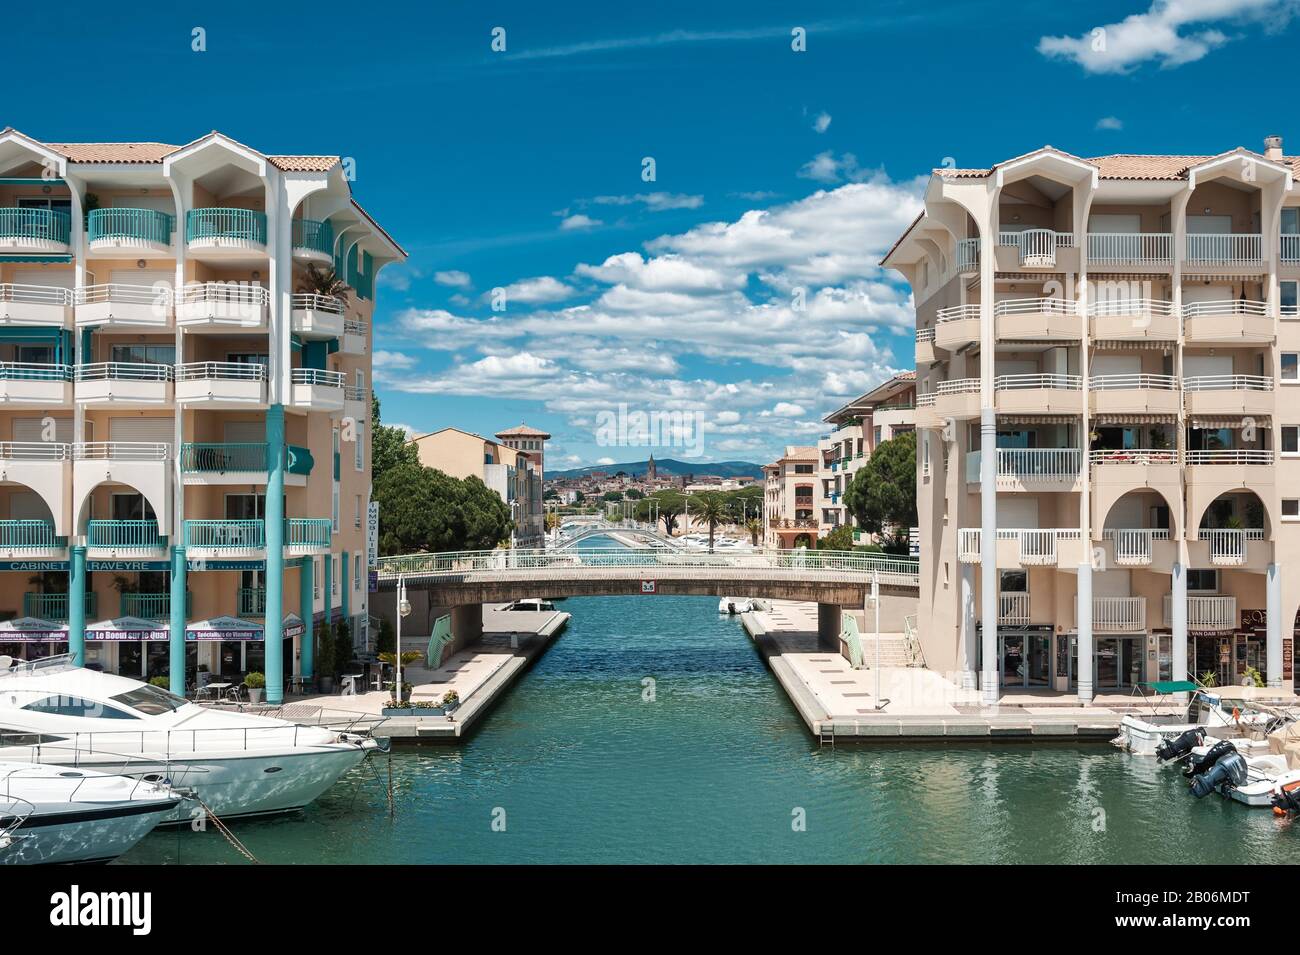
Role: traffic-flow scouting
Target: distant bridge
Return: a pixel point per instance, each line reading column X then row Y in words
column 832, row 579
column 605, row 528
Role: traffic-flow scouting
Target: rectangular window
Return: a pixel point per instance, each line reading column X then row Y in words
column 1289, row 298
column 1290, row 366
column 334, row 577
column 356, row 575
column 356, row 518
column 1291, row 508
column 359, row 452
column 315, row 577
column 1015, row 582
column 334, row 504
column 1290, row 439
column 1204, row 581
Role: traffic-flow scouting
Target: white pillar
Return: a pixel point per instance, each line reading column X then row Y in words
column 1178, row 611
column 1083, row 673
column 989, row 551
column 1273, row 645
column 969, row 632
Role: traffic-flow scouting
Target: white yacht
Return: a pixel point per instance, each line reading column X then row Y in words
column 236, row 764
column 53, row 814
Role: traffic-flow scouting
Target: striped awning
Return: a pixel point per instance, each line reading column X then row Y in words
column 1218, row 277
column 1113, row 419
column 1038, row 419
column 1106, row 344
column 1235, row 423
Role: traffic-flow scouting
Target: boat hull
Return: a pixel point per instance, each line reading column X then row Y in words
column 83, row 832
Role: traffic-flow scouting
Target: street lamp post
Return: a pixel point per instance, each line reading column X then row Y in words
column 403, row 610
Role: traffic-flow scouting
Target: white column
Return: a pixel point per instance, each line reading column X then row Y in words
column 1273, row 644
column 969, row 652
column 989, row 550
column 1083, row 673
column 1178, row 605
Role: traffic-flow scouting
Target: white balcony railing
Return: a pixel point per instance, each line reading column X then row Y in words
column 1013, row 609
column 1228, row 544
column 36, row 295
column 959, row 386
column 33, row 451
column 222, row 370
column 924, row 335
column 1206, row 612
column 1139, row 248
column 1116, row 614
column 1133, row 456
column 1133, row 544
column 124, row 371
column 968, row 255
column 121, row 451
column 1036, row 247
column 160, row 296
column 1029, row 464
column 1131, row 382
column 1104, row 307
column 1038, row 545
column 1228, row 307
column 1225, row 249
column 925, row 399
column 1023, row 382
column 1035, row 306
column 957, row 313
column 1290, row 248
column 1228, row 383
column 316, row 376
column 968, row 545
column 1229, row 456
column 317, row 303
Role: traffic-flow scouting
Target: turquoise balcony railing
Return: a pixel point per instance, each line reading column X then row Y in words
column 217, row 458
column 317, row 236
column 252, row 602
column 225, row 535
column 147, row 225
column 225, row 224
column 135, row 535
column 28, row 535
column 44, row 225
column 150, row 606
column 307, row 532
column 54, row 607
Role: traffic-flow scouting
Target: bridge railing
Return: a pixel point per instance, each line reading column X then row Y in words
column 453, row 563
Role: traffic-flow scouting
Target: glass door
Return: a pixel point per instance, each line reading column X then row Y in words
column 1038, row 660
column 1106, row 663
column 1012, row 656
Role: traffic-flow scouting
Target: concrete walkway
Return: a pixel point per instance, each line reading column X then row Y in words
column 835, row 699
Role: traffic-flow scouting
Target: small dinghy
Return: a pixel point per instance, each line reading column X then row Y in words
column 735, row 605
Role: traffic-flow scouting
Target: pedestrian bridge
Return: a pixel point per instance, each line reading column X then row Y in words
column 604, row 529
column 834, row 580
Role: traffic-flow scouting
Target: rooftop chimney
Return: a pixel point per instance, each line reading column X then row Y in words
column 1272, row 147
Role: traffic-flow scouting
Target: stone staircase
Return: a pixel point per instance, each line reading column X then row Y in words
column 893, row 650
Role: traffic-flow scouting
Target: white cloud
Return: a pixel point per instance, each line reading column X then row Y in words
column 784, row 409
column 453, row 277
column 1170, row 33
column 579, row 221
column 392, row 360
column 1110, row 122
column 654, row 201
column 535, row 291
column 661, row 273
column 605, row 461
column 822, row 122
column 828, row 168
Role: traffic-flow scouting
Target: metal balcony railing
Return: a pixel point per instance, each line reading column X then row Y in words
column 125, row 535
column 36, row 294
column 219, row 458
column 1225, row 249
column 150, row 606
column 54, row 607
column 221, row 370
column 230, row 294
column 1133, row 382
column 1206, row 612
column 34, row 451
column 1133, row 456
column 318, row 303
column 1013, row 609
column 1228, row 307
column 226, row 535
column 34, row 371
column 121, row 451
column 1034, row 306
column 1228, row 383
column 1227, row 545
column 27, row 535
column 1132, row 545
column 1229, row 456
column 147, row 225
column 124, row 371
column 957, row 313
column 1107, row 307
column 218, row 223
column 1023, row 382
column 41, row 225
column 316, row 376
column 313, row 235
column 1117, row 614
column 307, row 531
column 1029, row 464
column 958, row 386
column 252, row 602
column 1290, row 247
column 1137, row 248
column 1036, row 247
column 354, row 326
column 924, row 335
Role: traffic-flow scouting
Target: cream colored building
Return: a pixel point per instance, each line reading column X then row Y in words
column 1108, row 366
column 789, row 499
column 859, row 427
column 506, row 470
column 184, row 432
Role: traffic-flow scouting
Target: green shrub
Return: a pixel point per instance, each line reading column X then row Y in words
column 255, row 681
column 324, row 662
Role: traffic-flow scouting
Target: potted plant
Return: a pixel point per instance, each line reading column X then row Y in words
column 450, row 701
column 256, row 683
column 325, row 658
column 164, row 682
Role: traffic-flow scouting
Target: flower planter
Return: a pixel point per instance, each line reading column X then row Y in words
column 413, row 711
column 255, row 694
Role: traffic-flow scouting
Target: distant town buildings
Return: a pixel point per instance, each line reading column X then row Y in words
column 790, row 517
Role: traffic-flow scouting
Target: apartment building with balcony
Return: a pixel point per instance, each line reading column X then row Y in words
column 513, row 472
column 859, row 427
column 1109, row 444
column 790, row 499
column 184, row 447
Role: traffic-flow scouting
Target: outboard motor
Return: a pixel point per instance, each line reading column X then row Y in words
column 1181, row 745
column 1199, row 765
column 1228, row 773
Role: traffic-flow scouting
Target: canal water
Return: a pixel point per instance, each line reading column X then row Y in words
column 582, row 763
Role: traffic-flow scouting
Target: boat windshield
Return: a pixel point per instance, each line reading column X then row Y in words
column 150, row 700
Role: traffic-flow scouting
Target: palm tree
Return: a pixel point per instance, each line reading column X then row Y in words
column 318, row 280
column 712, row 510
column 755, row 527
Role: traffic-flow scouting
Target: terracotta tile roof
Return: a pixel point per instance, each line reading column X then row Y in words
column 304, row 163
column 1128, row 165
column 114, row 152
column 522, row 430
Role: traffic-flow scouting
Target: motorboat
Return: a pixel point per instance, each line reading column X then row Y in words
column 1215, row 712
column 54, row 814
column 734, row 605
column 235, row 764
column 531, row 605
column 1249, row 780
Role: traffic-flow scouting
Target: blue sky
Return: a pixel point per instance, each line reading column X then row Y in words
column 775, row 171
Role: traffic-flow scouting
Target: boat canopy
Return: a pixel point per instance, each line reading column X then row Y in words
column 1171, row 686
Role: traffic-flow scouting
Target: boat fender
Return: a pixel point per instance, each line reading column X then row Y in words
column 1203, row 764
column 1181, row 745
column 1229, row 772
